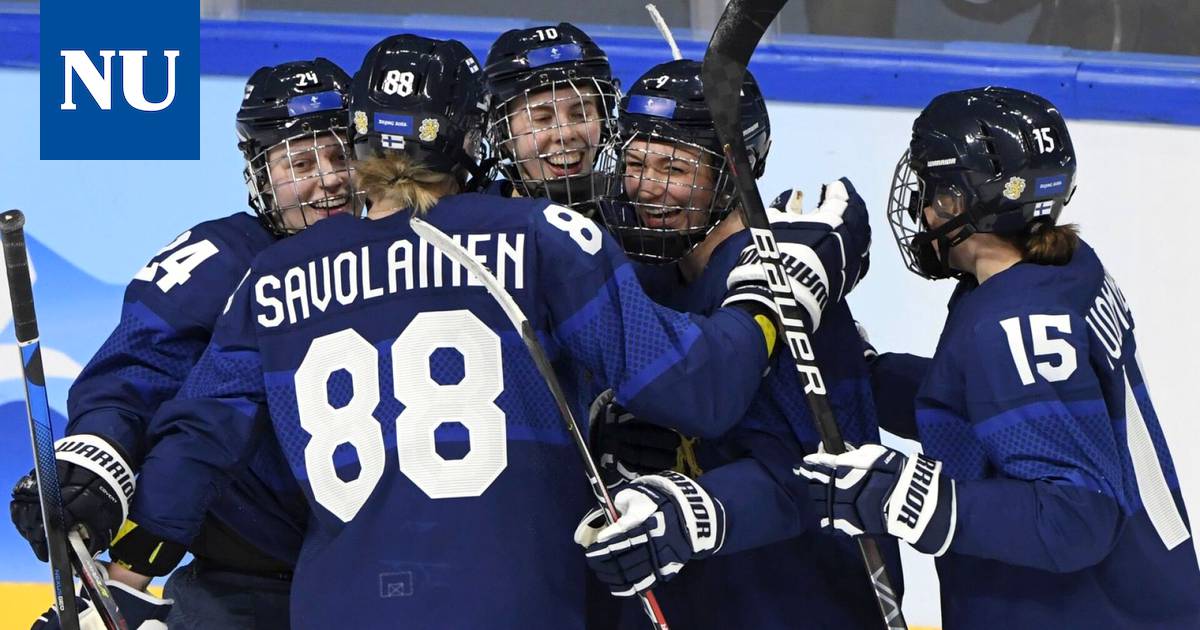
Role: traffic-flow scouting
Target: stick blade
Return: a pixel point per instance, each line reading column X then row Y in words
column 742, row 26
column 737, row 34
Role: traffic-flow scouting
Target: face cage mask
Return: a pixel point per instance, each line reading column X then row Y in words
column 906, row 215
column 649, row 223
column 301, row 164
column 557, row 127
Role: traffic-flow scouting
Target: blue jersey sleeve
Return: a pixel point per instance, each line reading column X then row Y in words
column 692, row 373
column 1036, row 405
column 895, row 379
column 765, row 502
column 205, row 434
column 778, row 430
column 166, row 322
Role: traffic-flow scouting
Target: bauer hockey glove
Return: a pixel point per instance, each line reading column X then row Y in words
column 96, row 485
column 824, row 253
column 666, row 520
column 874, row 489
column 142, row 611
column 626, row 448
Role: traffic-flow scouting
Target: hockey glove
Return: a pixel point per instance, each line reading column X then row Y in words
column 877, row 490
column 96, row 485
column 824, row 253
column 666, row 520
column 142, row 611
column 626, row 448
column 790, row 200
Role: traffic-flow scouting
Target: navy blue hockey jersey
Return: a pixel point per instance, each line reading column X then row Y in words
column 776, row 569
column 443, row 485
column 1069, row 510
column 167, row 319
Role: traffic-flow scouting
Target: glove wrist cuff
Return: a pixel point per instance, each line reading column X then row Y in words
column 922, row 509
column 101, row 458
column 143, row 552
column 703, row 515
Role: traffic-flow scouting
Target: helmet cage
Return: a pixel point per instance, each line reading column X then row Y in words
column 574, row 106
column 1005, row 154
column 623, row 213
column 302, row 160
column 909, row 196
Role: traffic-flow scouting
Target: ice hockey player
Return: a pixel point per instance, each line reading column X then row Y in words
column 353, row 336
column 552, row 98
column 678, row 206
column 292, row 132
column 1045, row 487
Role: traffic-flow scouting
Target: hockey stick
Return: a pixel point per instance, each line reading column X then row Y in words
column 93, row 581
column 20, row 288
column 733, row 42
column 455, row 252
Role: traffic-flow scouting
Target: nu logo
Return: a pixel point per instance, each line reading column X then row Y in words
column 120, row 80
column 99, row 85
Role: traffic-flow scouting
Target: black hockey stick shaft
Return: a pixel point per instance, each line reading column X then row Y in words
column 733, row 42
column 455, row 252
column 20, row 291
column 66, row 549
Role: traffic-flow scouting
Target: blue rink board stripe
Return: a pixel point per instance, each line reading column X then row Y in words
column 802, row 69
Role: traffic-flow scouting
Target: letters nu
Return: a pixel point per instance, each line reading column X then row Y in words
column 99, row 84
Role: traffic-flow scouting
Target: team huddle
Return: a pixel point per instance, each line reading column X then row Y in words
column 342, row 427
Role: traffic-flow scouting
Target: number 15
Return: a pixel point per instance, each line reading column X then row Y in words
column 1043, row 346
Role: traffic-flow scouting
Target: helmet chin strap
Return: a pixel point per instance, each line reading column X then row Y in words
column 572, row 190
column 935, row 261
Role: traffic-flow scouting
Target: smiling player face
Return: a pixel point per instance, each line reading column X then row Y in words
column 671, row 185
column 555, row 132
column 311, row 180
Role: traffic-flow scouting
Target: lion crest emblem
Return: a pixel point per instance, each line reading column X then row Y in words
column 1014, row 187
column 429, row 130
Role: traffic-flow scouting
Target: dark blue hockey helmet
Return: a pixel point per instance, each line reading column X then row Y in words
column 291, row 131
column 671, row 184
column 553, row 96
column 421, row 97
column 990, row 160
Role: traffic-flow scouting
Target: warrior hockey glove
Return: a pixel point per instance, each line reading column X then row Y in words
column 666, row 520
column 824, row 254
column 142, row 611
column 626, row 448
column 877, row 490
column 96, row 485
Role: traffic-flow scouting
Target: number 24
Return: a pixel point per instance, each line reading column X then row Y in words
column 180, row 264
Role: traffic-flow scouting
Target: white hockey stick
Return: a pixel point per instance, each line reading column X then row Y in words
column 658, row 20
column 455, row 252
